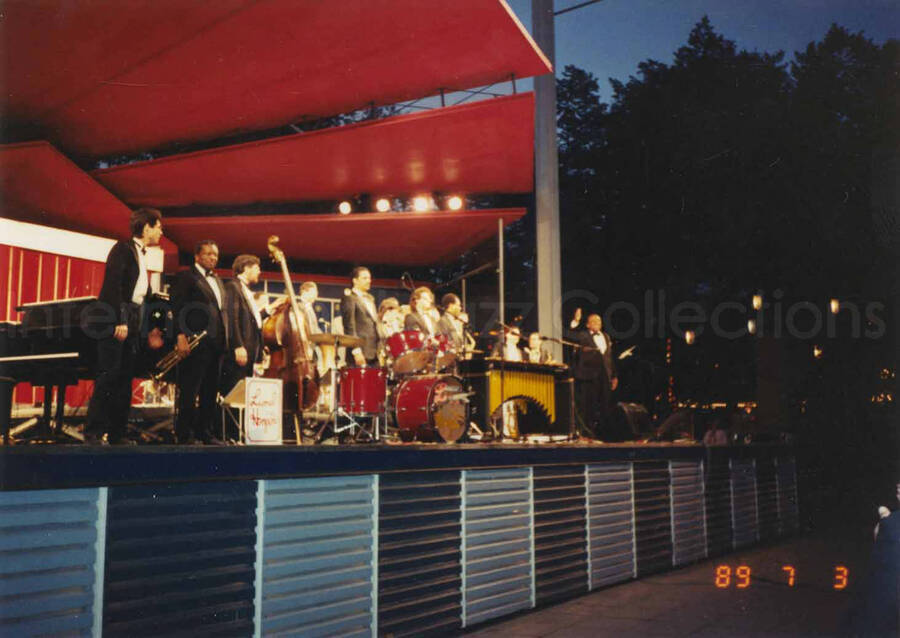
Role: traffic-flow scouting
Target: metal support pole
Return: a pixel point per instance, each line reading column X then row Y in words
column 546, row 170
column 500, row 269
column 463, row 291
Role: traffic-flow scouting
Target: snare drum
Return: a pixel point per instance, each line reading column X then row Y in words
column 408, row 351
column 432, row 404
column 362, row 391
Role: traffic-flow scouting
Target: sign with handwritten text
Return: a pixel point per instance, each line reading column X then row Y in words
column 262, row 412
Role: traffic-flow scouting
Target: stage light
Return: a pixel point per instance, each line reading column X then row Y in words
column 757, row 302
column 420, row 204
column 382, row 205
column 751, row 326
column 689, row 337
column 835, row 306
column 344, row 208
column 455, row 202
column 817, row 352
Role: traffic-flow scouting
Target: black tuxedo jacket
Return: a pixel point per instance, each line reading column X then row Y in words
column 589, row 365
column 359, row 322
column 415, row 321
column 243, row 331
column 195, row 308
column 119, row 278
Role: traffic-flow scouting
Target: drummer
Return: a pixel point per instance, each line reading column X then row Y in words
column 390, row 316
column 422, row 316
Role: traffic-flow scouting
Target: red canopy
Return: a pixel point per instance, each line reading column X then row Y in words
column 104, row 77
column 480, row 147
column 412, row 239
column 38, row 184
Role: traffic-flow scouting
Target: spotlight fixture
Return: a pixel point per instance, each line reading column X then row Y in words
column 817, row 352
column 835, row 306
column 689, row 337
column 344, row 208
column 455, row 202
column 757, row 302
column 751, row 326
column 382, row 205
column 420, row 204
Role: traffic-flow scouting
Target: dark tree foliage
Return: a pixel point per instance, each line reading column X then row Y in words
column 727, row 170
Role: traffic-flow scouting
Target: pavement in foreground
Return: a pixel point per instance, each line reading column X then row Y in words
column 686, row 602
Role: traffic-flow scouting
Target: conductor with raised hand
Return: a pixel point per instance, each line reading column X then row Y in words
column 594, row 371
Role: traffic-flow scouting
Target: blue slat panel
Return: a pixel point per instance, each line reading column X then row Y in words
column 653, row 518
column 317, row 556
column 611, row 523
column 744, row 516
column 419, row 553
column 47, row 558
column 180, row 560
column 688, row 512
column 788, row 503
column 718, row 506
column 497, row 543
column 560, row 533
column 767, row 498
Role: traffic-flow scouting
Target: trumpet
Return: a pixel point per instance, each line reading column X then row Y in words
column 164, row 365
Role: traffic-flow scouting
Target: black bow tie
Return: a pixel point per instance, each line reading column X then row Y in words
column 143, row 251
column 210, row 273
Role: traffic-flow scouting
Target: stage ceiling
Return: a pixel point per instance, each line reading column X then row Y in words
column 407, row 239
column 99, row 78
column 40, row 185
column 482, row 147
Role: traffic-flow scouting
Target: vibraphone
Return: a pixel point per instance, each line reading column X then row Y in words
column 495, row 381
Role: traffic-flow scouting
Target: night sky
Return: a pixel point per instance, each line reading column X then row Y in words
column 610, row 38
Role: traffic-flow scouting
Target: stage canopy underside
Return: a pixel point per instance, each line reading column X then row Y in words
column 406, row 239
column 41, row 186
column 105, row 78
column 482, row 147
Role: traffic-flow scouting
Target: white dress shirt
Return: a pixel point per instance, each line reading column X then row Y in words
column 211, row 282
column 143, row 280
column 248, row 295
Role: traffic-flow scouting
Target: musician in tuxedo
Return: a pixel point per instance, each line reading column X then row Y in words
column 309, row 292
column 126, row 284
column 453, row 322
column 245, row 319
column 360, row 317
column 422, row 316
column 594, row 372
column 198, row 304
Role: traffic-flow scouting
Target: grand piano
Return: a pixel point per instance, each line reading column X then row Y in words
column 54, row 347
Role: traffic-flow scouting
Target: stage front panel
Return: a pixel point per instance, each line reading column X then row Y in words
column 419, row 553
column 788, row 507
column 688, row 512
column 498, row 545
column 767, row 498
column 610, row 512
column 560, row 532
column 744, row 515
column 319, row 544
column 653, row 528
column 180, row 558
column 50, row 576
column 718, row 506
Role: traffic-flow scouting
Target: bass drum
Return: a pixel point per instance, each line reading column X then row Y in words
column 432, row 406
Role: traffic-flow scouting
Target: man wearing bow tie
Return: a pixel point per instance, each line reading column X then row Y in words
column 594, row 372
column 126, row 284
column 422, row 318
column 198, row 301
column 360, row 317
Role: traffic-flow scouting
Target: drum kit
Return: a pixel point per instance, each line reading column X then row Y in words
column 415, row 394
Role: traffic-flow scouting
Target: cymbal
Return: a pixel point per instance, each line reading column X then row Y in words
column 342, row 341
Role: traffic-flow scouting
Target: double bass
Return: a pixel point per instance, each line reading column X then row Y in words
column 287, row 336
